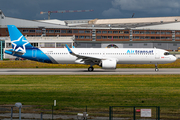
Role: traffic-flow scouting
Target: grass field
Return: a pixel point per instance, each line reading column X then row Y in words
column 33, row 64
column 98, row 92
column 94, row 91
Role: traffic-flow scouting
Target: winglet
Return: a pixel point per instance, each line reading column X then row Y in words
column 70, row 51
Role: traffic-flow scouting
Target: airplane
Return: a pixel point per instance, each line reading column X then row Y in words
column 107, row 58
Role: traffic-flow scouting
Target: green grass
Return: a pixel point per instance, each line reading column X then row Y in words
column 93, row 91
column 98, row 92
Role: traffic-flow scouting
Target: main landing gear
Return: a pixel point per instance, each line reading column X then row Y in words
column 156, row 68
column 90, row 69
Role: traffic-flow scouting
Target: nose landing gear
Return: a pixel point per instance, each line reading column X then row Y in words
column 156, row 68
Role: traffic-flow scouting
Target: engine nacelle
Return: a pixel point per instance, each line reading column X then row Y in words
column 108, row 64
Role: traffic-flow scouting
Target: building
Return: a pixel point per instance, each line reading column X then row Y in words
column 159, row 32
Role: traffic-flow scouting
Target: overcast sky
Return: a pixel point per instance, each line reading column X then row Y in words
column 103, row 9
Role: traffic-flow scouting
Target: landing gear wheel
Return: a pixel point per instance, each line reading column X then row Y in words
column 90, row 69
column 156, row 69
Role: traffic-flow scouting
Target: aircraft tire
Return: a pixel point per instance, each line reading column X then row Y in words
column 156, row 69
column 90, row 69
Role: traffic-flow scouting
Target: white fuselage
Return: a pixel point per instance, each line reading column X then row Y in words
column 121, row 55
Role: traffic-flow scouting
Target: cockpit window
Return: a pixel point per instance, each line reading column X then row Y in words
column 166, row 53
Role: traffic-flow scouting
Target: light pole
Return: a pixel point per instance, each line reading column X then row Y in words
column 19, row 105
column 52, row 108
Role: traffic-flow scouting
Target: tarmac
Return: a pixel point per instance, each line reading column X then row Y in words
column 84, row 71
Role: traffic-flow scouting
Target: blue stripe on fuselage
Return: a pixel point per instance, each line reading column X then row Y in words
column 34, row 54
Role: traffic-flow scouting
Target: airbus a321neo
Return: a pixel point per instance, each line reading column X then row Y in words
column 103, row 57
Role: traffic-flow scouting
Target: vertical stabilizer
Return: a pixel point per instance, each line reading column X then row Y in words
column 18, row 41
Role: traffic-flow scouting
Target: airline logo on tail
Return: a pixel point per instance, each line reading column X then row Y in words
column 19, row 44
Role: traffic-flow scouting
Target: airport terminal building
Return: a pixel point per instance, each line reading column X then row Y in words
column 159, row 32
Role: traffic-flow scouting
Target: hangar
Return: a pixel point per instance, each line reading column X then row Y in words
column 159, row 32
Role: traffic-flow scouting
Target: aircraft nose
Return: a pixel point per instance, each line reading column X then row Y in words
column 173, row 58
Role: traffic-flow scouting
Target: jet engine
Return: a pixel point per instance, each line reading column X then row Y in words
column 108, row 64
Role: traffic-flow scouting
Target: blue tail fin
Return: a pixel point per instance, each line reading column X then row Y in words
column 18, row 41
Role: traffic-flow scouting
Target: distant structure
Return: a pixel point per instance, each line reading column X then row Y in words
column 64, row 11
column 133, row 15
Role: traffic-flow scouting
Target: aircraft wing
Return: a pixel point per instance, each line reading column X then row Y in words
column 85, row 58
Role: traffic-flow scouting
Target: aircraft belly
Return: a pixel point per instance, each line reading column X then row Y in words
column 64, row 60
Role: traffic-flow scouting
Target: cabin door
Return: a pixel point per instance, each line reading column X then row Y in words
column 157, row 54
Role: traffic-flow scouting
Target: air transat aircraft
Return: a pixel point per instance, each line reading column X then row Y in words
column 104, row 57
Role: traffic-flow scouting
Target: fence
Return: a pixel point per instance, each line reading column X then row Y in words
column 94, row 112
column 134, row 112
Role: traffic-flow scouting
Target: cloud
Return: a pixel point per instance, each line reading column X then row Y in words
column 141, row 4
column 111, row 13
column 30, row 9
column 13, row 11
column 147, row 7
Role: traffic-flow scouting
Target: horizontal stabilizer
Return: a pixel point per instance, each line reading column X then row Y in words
column 14, row 52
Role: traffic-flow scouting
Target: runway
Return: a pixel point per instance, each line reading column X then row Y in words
column 84, row 71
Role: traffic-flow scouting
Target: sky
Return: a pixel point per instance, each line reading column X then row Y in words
column 103, row 9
